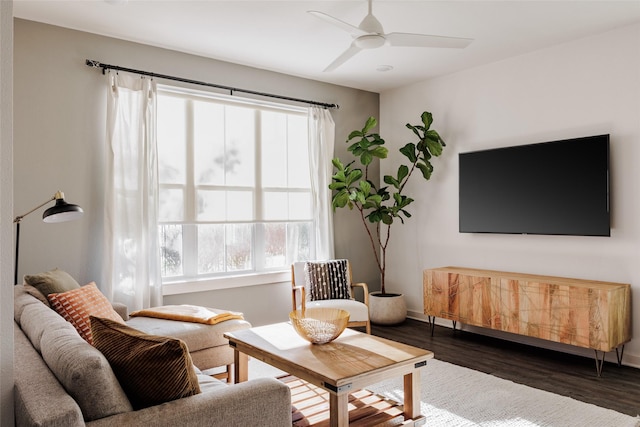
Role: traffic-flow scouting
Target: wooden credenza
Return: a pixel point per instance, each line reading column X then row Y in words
column 584, row 313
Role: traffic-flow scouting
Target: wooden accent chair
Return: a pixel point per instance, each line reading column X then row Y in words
column 301, row 295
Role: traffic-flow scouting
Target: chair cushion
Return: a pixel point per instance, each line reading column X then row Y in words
column 358, row 312
column 78, row 304
column 152, row 369
column 328, row 280
column 54, row 281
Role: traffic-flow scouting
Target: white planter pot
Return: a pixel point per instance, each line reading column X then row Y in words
column 390, row 309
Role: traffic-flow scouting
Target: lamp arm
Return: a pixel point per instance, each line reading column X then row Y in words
column 55, row 196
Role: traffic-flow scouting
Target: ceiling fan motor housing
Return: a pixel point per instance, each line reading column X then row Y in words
column 370, row 41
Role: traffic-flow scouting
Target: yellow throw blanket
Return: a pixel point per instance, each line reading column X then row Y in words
column 189, row 313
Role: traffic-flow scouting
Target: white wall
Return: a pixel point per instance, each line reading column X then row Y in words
column 6, row 210
column 60, row 112
column 586, row 87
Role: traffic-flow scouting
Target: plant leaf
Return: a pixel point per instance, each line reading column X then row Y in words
column 365, row 187
column 354, row 134
column 388, row 179
column 366, row 158
column 427, row 119
column 371, row 123
column 409, row 152
column 434, row 147
column 403, row 171
column 380, row 152
column 414, row 129
column 426, row 168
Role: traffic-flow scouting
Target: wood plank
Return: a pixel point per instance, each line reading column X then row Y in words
column 365, row 407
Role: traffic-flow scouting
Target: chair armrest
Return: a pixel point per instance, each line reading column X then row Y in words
column 121, row 309
column 365, row 290
column 262, row 400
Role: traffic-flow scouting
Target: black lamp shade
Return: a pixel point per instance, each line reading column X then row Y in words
column 62, row 211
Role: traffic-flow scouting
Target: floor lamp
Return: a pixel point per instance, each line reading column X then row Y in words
column 60, row 212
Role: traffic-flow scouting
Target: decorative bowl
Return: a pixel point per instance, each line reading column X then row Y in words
column 319, row 325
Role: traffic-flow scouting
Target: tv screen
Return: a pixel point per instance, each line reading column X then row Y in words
column 554, row 188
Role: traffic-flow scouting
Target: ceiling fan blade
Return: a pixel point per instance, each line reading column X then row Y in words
column 424, row 40
column 353, row 30
column 346, row 55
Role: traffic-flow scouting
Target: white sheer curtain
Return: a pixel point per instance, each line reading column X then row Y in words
column 132, row 269
column 321, row 142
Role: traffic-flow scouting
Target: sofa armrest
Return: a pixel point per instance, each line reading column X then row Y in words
column 39, row 399
column 121, row 309
column 259, row 402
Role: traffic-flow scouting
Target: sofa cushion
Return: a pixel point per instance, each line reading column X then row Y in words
column 54, row 281
column 78, row 304
column 152, row 369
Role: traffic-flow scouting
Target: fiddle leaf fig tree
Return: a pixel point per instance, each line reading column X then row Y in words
column 383, row 206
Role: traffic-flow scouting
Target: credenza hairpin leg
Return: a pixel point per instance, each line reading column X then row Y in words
column 619, row 355
column 454, row 325
column 599, row 363
column 432, row 323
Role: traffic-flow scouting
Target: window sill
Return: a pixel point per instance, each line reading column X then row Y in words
column 203, row 285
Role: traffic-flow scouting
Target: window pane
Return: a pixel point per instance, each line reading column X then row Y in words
column 171, row 248
column 300, row 242
column 275, row 206
column 216, row 205
column 209, row 152
column 299, row 206
column 211, row 249
column 170, row 204
column 274, row 149
column 298, row 149
column 240, row 147
column 171, row 140
column 275, row 236
column 239, row 241
column 279, row 205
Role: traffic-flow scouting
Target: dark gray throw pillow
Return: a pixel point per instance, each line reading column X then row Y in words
column 52, row 282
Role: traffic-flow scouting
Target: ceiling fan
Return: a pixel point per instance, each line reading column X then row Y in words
column 370, row 35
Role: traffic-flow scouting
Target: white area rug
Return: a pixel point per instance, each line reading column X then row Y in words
column 453, row 396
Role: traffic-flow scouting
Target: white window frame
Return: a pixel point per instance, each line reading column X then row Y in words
column 198, row 283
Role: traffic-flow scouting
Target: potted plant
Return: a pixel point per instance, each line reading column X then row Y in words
column 383, row 206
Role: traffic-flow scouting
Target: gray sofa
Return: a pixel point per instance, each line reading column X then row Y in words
column 61, row 380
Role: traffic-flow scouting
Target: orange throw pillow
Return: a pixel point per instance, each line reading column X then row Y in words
column 78, row 304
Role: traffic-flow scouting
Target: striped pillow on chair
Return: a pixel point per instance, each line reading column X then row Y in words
column 328, row 280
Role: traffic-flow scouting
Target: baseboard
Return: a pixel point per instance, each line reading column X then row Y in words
column 628, row 359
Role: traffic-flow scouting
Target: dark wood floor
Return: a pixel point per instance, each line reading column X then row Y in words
column 618, row 388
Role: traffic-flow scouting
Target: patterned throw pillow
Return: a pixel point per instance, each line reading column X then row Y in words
column 328, row 280
column 151, row 369
column 77, row 305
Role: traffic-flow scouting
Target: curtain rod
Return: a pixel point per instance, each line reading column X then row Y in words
column 97, row 64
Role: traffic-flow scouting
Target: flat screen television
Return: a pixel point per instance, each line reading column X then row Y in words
column 552, row 188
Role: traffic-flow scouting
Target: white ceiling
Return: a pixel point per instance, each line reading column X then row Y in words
column 280, row 36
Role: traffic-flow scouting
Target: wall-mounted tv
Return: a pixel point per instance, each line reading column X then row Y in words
column 552, row 188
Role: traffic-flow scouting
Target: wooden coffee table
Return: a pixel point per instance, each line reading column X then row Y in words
column 351, row 362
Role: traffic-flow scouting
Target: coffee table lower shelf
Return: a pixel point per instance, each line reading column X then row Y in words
column 310, row 407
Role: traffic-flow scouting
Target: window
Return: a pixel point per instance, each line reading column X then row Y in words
column 234, row 186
